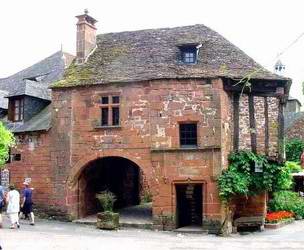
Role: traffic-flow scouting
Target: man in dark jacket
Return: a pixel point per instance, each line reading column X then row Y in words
column 27, row 203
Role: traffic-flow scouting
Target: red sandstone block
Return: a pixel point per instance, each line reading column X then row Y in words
column 213, row 207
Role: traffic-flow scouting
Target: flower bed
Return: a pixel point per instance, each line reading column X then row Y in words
column 278, row 219
column 275, row 217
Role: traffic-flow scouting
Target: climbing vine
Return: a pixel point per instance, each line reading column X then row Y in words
column 249, row 173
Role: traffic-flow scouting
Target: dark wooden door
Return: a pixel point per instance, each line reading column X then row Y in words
column 189, row 204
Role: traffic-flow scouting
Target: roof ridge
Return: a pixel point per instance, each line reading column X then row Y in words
column 39, row 62
column 149, row 54
column 154, row 29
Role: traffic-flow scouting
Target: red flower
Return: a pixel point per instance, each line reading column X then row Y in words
column 277, row 216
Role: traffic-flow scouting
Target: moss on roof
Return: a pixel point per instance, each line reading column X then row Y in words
column 154, row 54
column 74, row 75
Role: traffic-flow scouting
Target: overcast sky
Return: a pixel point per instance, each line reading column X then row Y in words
column 33, row 29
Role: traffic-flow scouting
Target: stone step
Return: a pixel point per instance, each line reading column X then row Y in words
column 191, row 230
column 122, row 224
column 136, row 225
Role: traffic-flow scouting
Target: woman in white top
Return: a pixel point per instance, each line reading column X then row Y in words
column 13, row 206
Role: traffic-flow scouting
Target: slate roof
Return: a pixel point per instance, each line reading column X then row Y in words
column 291, row 98
column 41, row 121
column 35, row 80
column 291, row 118
column 154, row 54
column 3, row 100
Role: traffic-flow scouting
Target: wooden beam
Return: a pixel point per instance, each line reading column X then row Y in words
column 261, row 91
column 257, row 87
column 252, row 124
column 266, row 126
column 236, row 130
column 281, row 130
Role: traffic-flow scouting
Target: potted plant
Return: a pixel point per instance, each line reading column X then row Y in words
column 107, row 219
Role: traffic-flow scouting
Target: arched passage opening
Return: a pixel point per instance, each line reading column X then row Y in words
column 116, row 174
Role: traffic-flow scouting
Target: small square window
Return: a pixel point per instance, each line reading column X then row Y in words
column 188, row 135
column 188, row 54
column 115, row 99
column 105, row 100
column 17, row 157
column 14, row 157
column 110, row 111
column 189, row 57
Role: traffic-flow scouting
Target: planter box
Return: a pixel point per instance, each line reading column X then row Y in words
column 279, row 224
column 108, row 220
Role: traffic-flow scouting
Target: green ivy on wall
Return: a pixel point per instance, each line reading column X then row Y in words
column 249, row 173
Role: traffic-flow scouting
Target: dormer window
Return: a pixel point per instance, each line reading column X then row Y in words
column 189, row 54
column 16, row 111
column 189, row 57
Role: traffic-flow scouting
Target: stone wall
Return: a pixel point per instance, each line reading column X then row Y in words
column 259, row 113
column 148, row 136
column 34, row 149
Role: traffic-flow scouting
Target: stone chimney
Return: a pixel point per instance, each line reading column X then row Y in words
column 86, row 36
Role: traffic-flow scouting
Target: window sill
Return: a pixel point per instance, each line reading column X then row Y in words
column 107, row 127
column 189, row 147
column 192, row 149
column 186, row 63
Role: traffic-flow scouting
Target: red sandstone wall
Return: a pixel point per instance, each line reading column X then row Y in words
column 148, row 136
column 34, row 164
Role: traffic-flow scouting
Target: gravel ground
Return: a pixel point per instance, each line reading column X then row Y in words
column 47, row 235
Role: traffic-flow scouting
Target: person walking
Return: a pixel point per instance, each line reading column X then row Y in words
column 2, row 200
column 27, row 202
column 13, row 206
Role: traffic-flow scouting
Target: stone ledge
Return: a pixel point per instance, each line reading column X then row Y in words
column 279, row 224
column 106, row 127
column 205, row 148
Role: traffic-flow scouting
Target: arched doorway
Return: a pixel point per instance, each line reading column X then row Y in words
column 116, row 174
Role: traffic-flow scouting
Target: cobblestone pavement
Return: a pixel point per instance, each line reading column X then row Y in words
column 47, row 235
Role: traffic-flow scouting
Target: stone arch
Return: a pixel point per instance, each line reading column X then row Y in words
column 79, row 182
column 80, row 165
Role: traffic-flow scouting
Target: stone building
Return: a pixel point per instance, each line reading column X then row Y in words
column 25, row 104
column 294, row 119
column 151, row 112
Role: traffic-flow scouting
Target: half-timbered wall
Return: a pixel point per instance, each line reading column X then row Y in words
column 258, row 124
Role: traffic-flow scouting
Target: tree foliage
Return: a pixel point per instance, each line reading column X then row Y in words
column 287, row 201
column 250, row 174
column 7, row 140
column 294, row 149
